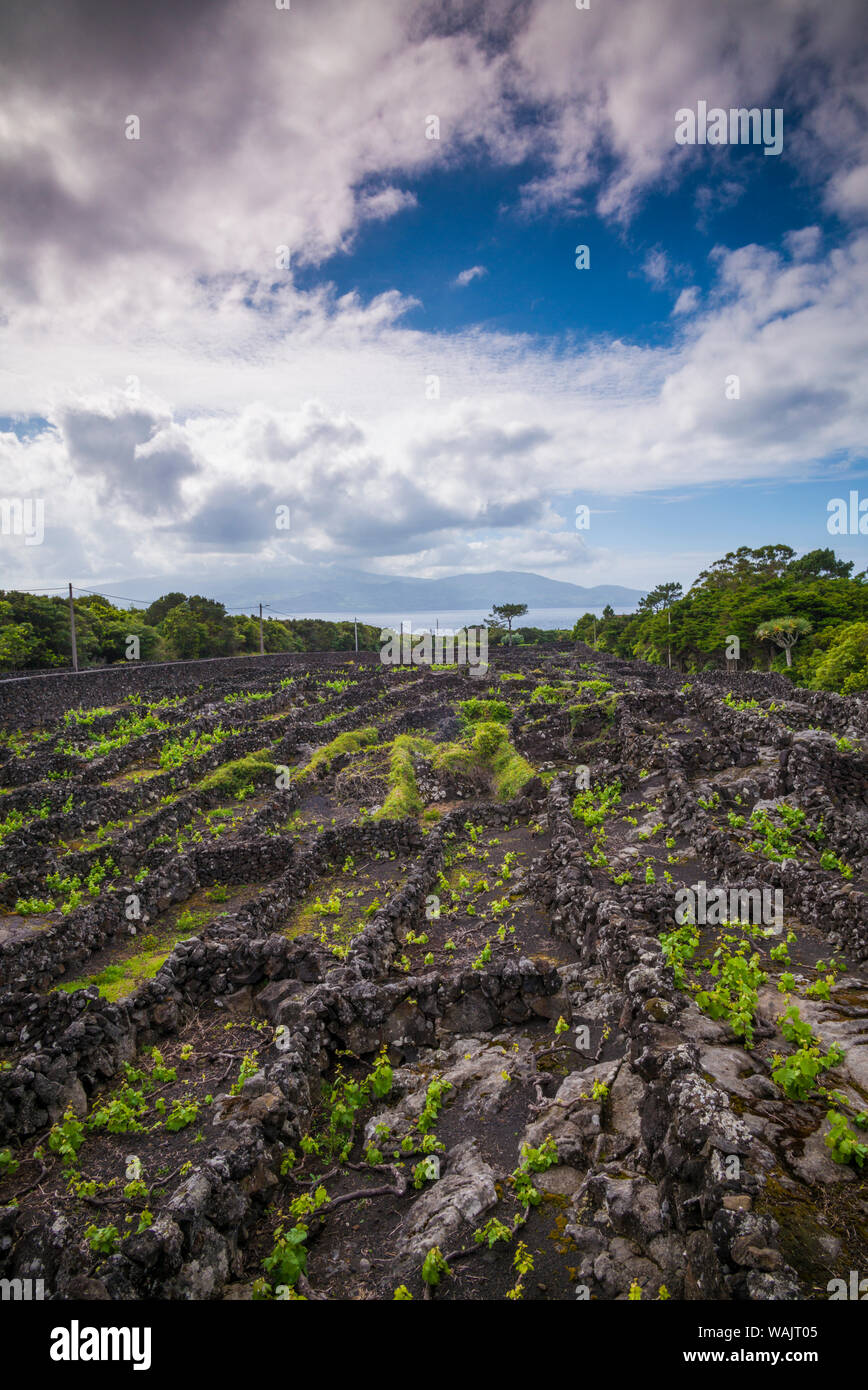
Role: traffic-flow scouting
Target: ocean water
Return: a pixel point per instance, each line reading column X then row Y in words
column 451, row 620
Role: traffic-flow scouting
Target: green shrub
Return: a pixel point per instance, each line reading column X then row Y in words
column 350, row 742
column 472, row 712
column 232, row 777
column 488, row 738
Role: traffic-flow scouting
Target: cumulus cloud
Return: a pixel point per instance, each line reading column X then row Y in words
column 611, row 83
column 155, row 261
column 469, row 480
column 261, row 127
column 376, row 207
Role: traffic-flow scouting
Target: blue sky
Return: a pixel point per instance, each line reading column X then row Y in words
column 469, row 216
column 430, row 386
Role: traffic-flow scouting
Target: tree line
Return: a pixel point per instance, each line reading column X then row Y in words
column 754, row 609
column 35, row 631
column 804, row 616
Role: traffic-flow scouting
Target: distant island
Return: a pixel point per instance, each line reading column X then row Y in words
column 304, row 589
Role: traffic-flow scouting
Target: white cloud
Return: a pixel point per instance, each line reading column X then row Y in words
column 803, row 244
column 686, row 301
column 375, row 469
column 156, row 260
column 848, row 192
column 655, row 267
column 476, row 272
column 376, row 207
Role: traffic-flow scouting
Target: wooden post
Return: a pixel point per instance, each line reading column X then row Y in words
column 72, row 631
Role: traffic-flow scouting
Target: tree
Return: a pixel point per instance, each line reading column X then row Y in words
column 505, row 612
column 784, row 632
column 186, row 637
column 660, row 598
column 277, row 638
column 820, row 564
column 17, row 645
column 155, row 614
column 115, row 635
column 844, row 665
column 745, row 565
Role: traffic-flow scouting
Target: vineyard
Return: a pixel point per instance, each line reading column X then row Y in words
column 325, row 979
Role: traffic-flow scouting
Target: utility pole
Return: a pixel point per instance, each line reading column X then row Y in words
column 72, row 631
column 356, row 631
column 669, row 637
column 261, row 641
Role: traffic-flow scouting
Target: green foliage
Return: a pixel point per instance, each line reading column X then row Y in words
column 472, row 712
column 550, row 694
column 103, row 1239
column 845, row 1147
column 736, row 994
column 34, row 631
column 249, row 1067
column 434, row 1267
column 8, row 1163
column 492, row 1232
column 840, row 661
column 288, row 1258
column 350, row 742
column 434, row 1097
column 232, row 777
column 403, row 798
column 508, row 769
column 344, row 1098
column 797, row 1074
column 532, row 1161
column 594, row 804
column 67, row 1137
column 795, row 1029
column 522, row 1263
column 736, row 596
column 176, row 751
column 488, row 737
column 181, row 1115
column 594, row 689
column 832, row 862
column 785, row 633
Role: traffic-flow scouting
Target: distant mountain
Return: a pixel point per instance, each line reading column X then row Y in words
column 307, row 589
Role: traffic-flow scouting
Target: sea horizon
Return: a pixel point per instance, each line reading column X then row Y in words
column 453, row 619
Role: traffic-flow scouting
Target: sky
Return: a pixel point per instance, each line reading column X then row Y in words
column 324, row 306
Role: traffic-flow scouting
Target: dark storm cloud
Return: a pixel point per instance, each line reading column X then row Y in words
column 56, row 44
column 110, row 448
column 232, row 519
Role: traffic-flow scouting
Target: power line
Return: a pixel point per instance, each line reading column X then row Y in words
column 50, row 589
column 125, row 598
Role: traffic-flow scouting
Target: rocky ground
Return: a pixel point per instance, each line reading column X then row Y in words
column 314, row 987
